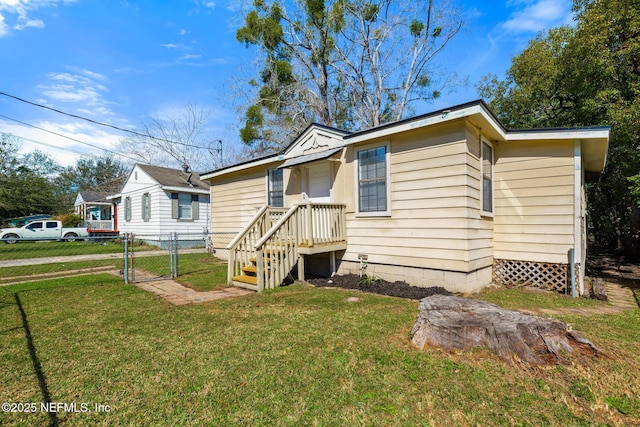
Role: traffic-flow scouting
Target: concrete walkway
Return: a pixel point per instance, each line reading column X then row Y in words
column 178, row 294
column 619, row 299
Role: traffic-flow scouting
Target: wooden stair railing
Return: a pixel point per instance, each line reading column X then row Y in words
column 277, row 250
column 241, row 248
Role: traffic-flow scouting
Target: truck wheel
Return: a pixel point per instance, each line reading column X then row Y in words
column 70, row 237
column 10, row 238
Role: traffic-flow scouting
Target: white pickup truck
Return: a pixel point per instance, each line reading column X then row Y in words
column 42, row 230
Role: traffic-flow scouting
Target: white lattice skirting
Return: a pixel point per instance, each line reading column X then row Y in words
column 549, row 276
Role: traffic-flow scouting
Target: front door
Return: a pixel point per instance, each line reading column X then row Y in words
column 318, row 183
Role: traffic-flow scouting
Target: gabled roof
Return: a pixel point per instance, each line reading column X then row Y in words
column 177, row 178
column 93, row 196
column 169, row 180
column 595, row 139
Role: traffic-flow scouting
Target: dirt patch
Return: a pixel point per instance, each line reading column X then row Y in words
column 378, row 286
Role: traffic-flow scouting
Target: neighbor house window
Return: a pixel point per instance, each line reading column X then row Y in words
column 146, row 206
column 487, row 178
column 373, row 180
column 127, row 208
column 275, row 187
column 185, row 206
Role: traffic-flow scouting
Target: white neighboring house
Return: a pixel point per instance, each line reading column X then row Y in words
column 159, row 201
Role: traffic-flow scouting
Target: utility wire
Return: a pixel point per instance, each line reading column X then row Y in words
column 53, row 146
column 101, row 123
column 67, row 137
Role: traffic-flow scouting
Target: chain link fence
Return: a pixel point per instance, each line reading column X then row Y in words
column 134, row 257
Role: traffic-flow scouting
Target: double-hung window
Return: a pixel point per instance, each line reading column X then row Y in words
column 373, row 180
column 275, row 188
column 487, row 178
column 185, row 206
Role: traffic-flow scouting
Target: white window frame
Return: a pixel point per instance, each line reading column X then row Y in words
column 387, row 211
column 268, row 180
column 484, row 212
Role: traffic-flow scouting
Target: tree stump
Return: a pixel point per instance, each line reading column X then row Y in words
column 598, row 289
column 454, row 322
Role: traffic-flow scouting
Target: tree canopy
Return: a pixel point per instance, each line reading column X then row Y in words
column 583, row 75
column 34, row 183
column 346, row 63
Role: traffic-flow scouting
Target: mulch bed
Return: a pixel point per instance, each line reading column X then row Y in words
column 379, row 286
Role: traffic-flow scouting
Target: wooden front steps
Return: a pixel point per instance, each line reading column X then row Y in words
column 285, row 238
column 249, row 277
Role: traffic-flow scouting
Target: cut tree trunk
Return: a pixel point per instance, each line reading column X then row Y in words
column 454, row 322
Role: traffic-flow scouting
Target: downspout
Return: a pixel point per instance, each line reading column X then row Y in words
column 577, row 218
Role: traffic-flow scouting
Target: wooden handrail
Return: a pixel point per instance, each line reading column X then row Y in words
column 275, row 250
column 248, row 227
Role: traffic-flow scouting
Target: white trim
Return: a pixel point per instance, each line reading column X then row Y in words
column 420, row 123
column 268, row 160
column 356, row 176
column 484, row 213
column 542, row 134
column 189, row 190
column 577, row 210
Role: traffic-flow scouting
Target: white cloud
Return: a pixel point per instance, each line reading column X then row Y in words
column 29, row 23
column 83, row 87
column 538, row 15
column 188, row 57
column 4, row 30
column 16, row 14
column 65, row 145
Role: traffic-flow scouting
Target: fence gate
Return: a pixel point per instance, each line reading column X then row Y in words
column 150, row 257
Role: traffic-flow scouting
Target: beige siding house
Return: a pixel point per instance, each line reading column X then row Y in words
column 450, row 198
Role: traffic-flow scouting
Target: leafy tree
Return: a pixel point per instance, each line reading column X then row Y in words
column 346, row 63
column 579, row 76
column 25, row 181
column 101, row 174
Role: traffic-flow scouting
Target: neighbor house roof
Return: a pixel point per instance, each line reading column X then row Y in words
column 168, row 177
column 170, row 180
column 93, row 196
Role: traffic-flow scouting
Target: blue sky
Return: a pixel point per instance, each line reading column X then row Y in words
column 120, row 61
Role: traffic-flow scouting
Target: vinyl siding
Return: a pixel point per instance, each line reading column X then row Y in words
column 534, row 205
column 237, row 199
column 160, row 221
column 435, row 205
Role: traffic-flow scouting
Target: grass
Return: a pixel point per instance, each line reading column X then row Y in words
column 518, row 298
column 29, row 249
column 293, row 356
column 197, row 270
column 202, row 272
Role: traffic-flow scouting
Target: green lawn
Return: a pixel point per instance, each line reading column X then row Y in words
column 199, row 271
column 29, row 249
column 294, row 356
column 22, row 250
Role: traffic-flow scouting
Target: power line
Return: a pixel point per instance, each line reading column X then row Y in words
column 67, row 137
column 59, row 148
column 100, row 123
